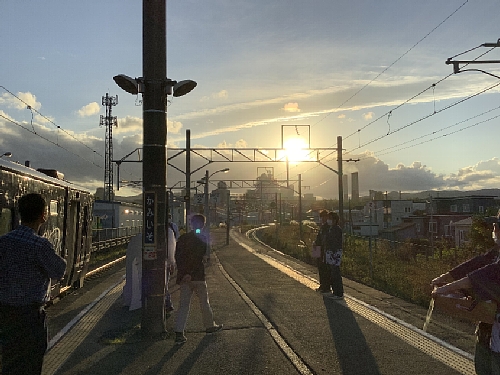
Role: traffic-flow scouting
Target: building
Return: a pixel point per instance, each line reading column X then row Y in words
column 116, row 214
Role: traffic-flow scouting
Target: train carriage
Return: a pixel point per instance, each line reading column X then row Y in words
column 68, row 225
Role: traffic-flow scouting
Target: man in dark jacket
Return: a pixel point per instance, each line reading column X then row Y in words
column 190, row 257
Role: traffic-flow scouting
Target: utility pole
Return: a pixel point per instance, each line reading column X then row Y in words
column 108, row 122
column 228, row 214
column 187, row 197
column 207, row 213
column 154, row 167
column 300, row 207
column 341, row 186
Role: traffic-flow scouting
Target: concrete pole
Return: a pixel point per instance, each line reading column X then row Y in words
column 188, row 178
column 341, row 186
column 300, row 207
column 154, row 166
column 228, row 214
column 207, row 214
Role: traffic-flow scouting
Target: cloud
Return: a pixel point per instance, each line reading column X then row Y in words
column 368, row 115
column 291, row 107
column 222, row 94
column 341, row 116
column 89, row 110
column 174, row 126
column 23, row 100
column 129, row 124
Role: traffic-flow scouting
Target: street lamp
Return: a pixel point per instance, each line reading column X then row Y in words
column 205, row 180
column 6, row 154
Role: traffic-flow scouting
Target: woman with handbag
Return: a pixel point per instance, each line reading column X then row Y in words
column 333, row 254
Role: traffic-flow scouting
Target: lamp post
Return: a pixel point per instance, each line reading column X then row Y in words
column 205, row 181
column 7, row 154
column 155, row 87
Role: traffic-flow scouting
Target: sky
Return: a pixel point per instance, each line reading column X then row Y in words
column 371, row 72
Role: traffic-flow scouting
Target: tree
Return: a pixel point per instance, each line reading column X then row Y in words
column 480, row 235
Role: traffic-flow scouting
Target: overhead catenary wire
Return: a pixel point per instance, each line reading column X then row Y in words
column 394, row 62
column 48, row 140
column 29, row 107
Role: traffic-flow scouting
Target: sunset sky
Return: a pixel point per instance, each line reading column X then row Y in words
column 372, row 72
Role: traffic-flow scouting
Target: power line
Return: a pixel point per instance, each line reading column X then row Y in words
column 394, row 62
column 425, row 117
column 436, row 131
column 48, row 140
column 49, row 120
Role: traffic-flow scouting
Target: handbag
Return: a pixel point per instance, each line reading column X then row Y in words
column 463, row 307
column 316, row 251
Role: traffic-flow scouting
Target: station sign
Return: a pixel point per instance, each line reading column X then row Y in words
column 150, row 213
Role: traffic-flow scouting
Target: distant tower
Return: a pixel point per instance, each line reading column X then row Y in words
column 345, row 187
column 108, row 121
column 354, row 186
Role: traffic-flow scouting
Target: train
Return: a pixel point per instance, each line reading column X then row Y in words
column 69, row 220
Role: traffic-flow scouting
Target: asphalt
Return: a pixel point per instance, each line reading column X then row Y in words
column 274, row 323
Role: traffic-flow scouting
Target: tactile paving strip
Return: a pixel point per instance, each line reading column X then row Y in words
column 431, row 345
column 63, row 348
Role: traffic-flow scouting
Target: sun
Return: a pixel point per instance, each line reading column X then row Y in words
column 296, row 150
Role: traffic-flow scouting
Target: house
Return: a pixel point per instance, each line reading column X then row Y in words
column 461, row 231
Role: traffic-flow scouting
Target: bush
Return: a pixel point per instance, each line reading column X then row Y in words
column 401, row 269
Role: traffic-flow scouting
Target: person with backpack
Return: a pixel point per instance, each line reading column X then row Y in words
column 190, row 257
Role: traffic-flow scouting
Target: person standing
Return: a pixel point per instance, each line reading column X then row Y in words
column 170, row 267
column 481, row 275
column 174, row 227
column 333, row 254
column 190, row 258
column 323, row 268
column 27, row 264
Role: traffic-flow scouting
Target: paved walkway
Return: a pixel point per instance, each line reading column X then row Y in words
column 274, row 323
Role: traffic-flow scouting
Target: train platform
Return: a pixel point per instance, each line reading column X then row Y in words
column 274, row 323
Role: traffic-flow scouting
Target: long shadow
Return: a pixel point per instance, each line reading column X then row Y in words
column 353, row 352
column 187, row 365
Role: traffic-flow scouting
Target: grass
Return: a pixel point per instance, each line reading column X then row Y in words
column 398, row 269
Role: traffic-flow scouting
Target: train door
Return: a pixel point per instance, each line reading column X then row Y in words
column 85, row 242
column 77, row 243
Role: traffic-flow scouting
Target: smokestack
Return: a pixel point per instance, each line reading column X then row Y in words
column 345, row 185
column 355, row 186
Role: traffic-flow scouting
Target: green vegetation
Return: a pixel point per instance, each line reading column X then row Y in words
column 102, row 257
column 402, row 269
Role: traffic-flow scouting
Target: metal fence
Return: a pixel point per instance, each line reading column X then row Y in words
column 107, row 237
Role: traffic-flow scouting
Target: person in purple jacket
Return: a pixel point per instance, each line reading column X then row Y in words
column 481, row 276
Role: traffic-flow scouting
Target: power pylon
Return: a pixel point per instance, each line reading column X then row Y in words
column 108, row 121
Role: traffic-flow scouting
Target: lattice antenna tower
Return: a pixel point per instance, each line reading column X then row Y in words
column 108, row 121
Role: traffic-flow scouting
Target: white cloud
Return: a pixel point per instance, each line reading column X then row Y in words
column 129, row 124
column 291, row 107
column 89, row 110
column 25, row 99
column 174, row 126
column 368, row 115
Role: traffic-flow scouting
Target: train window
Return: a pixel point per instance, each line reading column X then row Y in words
column 53, row 208
column 5, row 220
